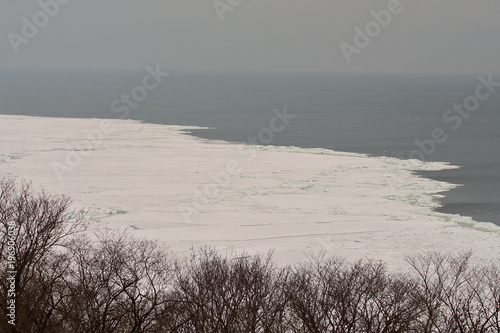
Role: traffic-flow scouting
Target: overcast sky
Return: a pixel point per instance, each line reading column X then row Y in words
column 458, row 36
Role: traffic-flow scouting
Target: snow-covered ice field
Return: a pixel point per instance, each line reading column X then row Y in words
column 158, row 182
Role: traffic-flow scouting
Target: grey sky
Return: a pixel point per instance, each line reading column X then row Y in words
column 296, row 35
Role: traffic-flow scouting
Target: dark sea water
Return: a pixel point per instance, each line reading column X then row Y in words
column 376, row 114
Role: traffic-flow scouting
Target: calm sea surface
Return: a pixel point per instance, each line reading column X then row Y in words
column 377, row 114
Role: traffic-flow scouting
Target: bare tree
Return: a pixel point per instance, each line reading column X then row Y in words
column 454, row 297
column 39, row 225
column 229, row 294
column 331, row 295
column 117, row 284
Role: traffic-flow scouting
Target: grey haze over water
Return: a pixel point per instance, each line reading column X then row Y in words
column 376, row 114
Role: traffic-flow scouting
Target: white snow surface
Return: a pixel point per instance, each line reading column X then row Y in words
column 141, row 177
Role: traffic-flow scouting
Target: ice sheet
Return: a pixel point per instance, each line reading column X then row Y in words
column 141, row 177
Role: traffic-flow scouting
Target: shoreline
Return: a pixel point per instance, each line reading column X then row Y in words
column 483, row 217
column 293, row 200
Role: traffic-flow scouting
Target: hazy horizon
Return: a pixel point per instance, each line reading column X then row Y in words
column 451, row 36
